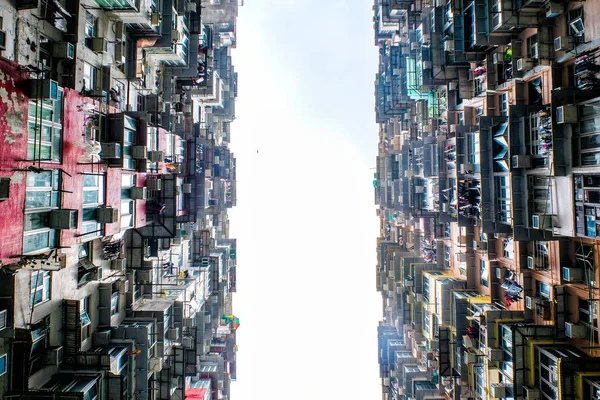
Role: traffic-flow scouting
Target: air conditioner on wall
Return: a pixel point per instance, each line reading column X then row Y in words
column 54, row 356
column 530, row 393
column 139, row 152
column 63, row 50
column 138, row 193
column 63, row 219
column 99, row 45
column 107, row 215
column 153, row 183
column 575, row 331
column 524, row 64
column 566, row 114
column 187, row 188
column 156, row 156
column 111, row 150
column 563, row 43
column 120, row 52
column 572, row 274
column 541, row 221
column 554, row 9
column 46, row 89
column 521, row 161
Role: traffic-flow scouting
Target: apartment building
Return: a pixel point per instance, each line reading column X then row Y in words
column 116, row 178
column 486, row 189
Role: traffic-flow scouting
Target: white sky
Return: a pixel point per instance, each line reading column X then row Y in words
column 305, row 219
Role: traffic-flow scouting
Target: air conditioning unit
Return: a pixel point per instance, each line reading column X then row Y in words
column 530, row 262
column 563, row 43
column 572, row 274
column 530, row 393
column 63, row 50
column 418, row 297
column 63, row 219
column 207, row 319
column 427, row 65
column 139, row 152
column 453, row 85
column 191, row 6
column 175, row 36
column 173, row 333
column 138, row 193
column 45, row 89
column 521, row 161
column 410, row 299
column 101, row 338
column 54, row 356
column 469, row 358
column 449, row 45
column 500, row 272
column 554, row 9
column 524, row 64
column 494, row 58
column 3, row 316
column 495, row 355
column 415, row 45
column 189, row 322
column 541, row 221
column 426, row 38
column 575, row 331
column 497, row 391
column 120, row 52
column 107, row 215
column 566, row 114
column 530, row 302
column 119, row 30
column 187, row 188
column 111, row 150
column 187, row 341
column 99, row 45
column 123, row 286
column 118, row 264
column 156, row 156
column 154, row 183
column 155, row 18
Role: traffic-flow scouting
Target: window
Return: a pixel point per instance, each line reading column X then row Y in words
column 39, row 337
column 40, row 287
column 584, row 256
column 539, row 195
column 44, row 129
column 91, row 28
column 127, row 204
column 503, row 198
column 41, row 195
column 576, row 28
column 86, row 322
column 496, row 13
column 588, row 316
column 504, row 104
column 532, row 47
column 93, row 197
column 114, row 303
column 543, row 290
column 541, row 255
column 87, row 271
column 473, row 147
column 484, row 273
column 89, row 77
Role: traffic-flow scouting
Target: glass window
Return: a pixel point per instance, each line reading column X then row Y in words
column 40, row 287
column 484, row 273
column 114, row 303
column 44, row 129
column 91, row 28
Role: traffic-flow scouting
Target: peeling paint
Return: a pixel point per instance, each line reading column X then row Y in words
column 16, row 178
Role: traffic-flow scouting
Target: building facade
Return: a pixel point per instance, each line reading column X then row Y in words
column 116, row 178
column 486, row 185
